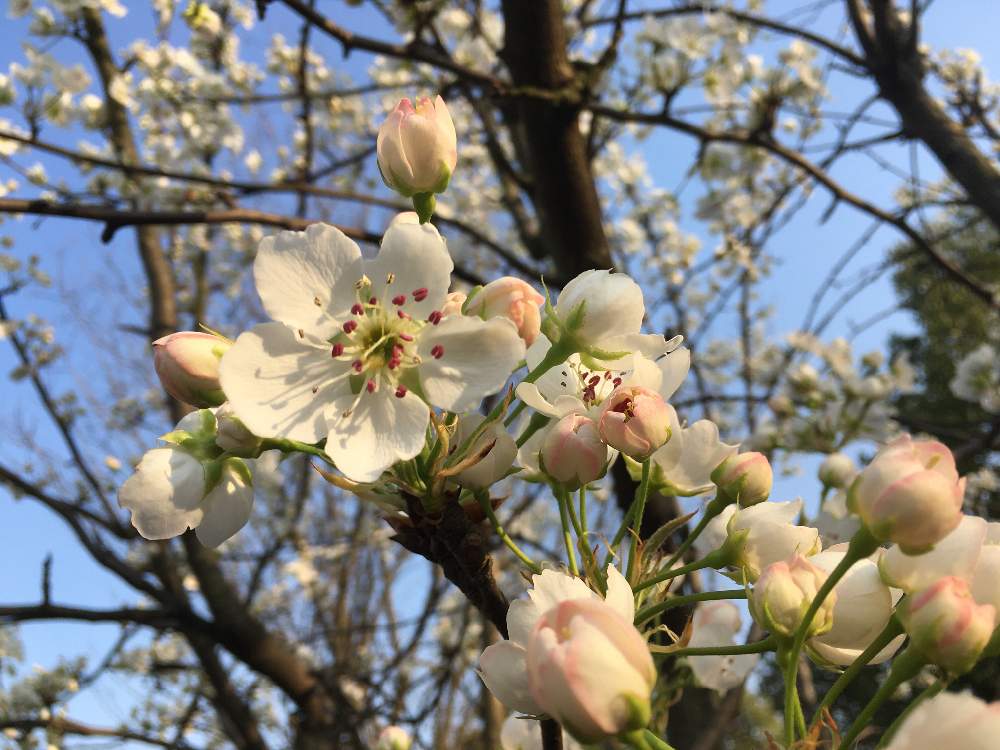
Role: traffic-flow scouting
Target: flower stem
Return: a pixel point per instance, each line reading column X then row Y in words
column 904, row 667
column 716, row 559
column 294, row 446
column 714, row 508
column 759, row 647
column 484, row 503
column 567, row 531
column 862, row 544
column 640, row 509
column 890, row 631
column 648, row 613
column 655, row 742
column 637, row 740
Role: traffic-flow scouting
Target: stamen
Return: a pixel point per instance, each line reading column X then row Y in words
column 316, row 301
column 390, row 277
column 357, row 309
column 401, row 391
column 420, row 294
column 362, row 283
column 370, row 386
column 398, row 300
column 437, row 351
column 349, row 326
column 357, row 366
column 406, row 337
column 315, row 388
column 337, row 350
column 302, row 334
column 402, row 315
column 372, row 301
column 616, row 382
column 594, row 381
column 435, row 317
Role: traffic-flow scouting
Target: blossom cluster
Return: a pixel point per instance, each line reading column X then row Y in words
column 419, row 397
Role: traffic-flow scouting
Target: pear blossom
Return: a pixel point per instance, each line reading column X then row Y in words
column 515, row 300
column 955, row 555
column 635, row 421
column 784, row 592
column 837, row 470
column 503, row 665
column 684, row 464
column 187, row 364
column 958, row 720
column 761, row 535
column 910, row 494
column 417, row 149
column 590, row 670
column 602, row 312
column 360, row 348
column 744, row 477
column 977, row 378
column 573, row 452
column 863, row 608
column 947, row 626
column 717, row 624
column 171, row 490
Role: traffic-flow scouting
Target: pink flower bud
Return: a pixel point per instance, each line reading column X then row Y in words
column 909, row 494
column 187, row 364
column 590, row 670
column 784, row 592
column 573, row 452
column 635, row 420
column 417, row 148
column 744, row 477
column 837, row 470
column 946, row 625
column 515, row 300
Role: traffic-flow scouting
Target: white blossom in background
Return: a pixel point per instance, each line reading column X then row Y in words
column 359, row 345
column 977, row 378
column 958, row 720
column 525, row 734
column 718, row 624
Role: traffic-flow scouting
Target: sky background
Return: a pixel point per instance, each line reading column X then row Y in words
column 71, row 251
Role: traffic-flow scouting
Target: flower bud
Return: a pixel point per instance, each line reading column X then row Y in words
column 393, row 738
column 453, row 304
column 590, row 670
column 417, row 148
column 744, row 477
column 573, row 452
column 515, row 300
column 233, row 436
column 946, row 625
column 187, row 364
column 635, row 420
column 837, row 471
column 909, row 494
column 784, row 592
column 501, row 450
column 958, row 720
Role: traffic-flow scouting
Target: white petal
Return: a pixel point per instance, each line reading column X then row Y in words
column 620, row 596
column 269, row 376
column 380, row 431
column 227, row 509
column 955, row 555
column 702, row 453
column 294, row 269
column 551, row 587
column 417, row 258
column 522, row 616
column 164, row 493
column 478, row 358
column 986, row 579
column 674, row 368
column 503, row 670
column 530, row 395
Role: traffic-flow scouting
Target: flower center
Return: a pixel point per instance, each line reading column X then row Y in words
column 592, row 386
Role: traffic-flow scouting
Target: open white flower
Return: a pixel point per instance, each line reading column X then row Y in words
column 955, row 555
column 360, row 347
column 170, row 491
column 958, row 720
column 863, row 607
column 502, row 665
column 716, row 624
column 684, row 464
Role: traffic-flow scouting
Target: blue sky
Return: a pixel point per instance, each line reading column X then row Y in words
column 72, row 251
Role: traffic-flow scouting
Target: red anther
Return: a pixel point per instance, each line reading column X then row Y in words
column 372, row 301
column 616, row 382
column 437, row 351
column 435, row 317
column 406, row 337
column 401, row 391
column 420, row 294
column 607, row 374
column 350, row 325
column 399, row 299
column 393, row 363
column 594, row 380
column 337, row 350
column 397, row 351
column 402, row 315
column 370, row 386
column 357, row 309
column 356, row 364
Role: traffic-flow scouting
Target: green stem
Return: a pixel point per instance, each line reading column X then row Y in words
column 648, row 613
column 294, row 446
column 929, row 692
column 655, row 742
column 759, row 647
column 714, row 508
column 904, row 667
column 862, row 544
column 718, row 559
column 890, row 631
column 514, row 414
column 640, row 510
column 567, row 531
column 637, row 740
column 484, row 503
column 794, row 718
column 537, row 422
